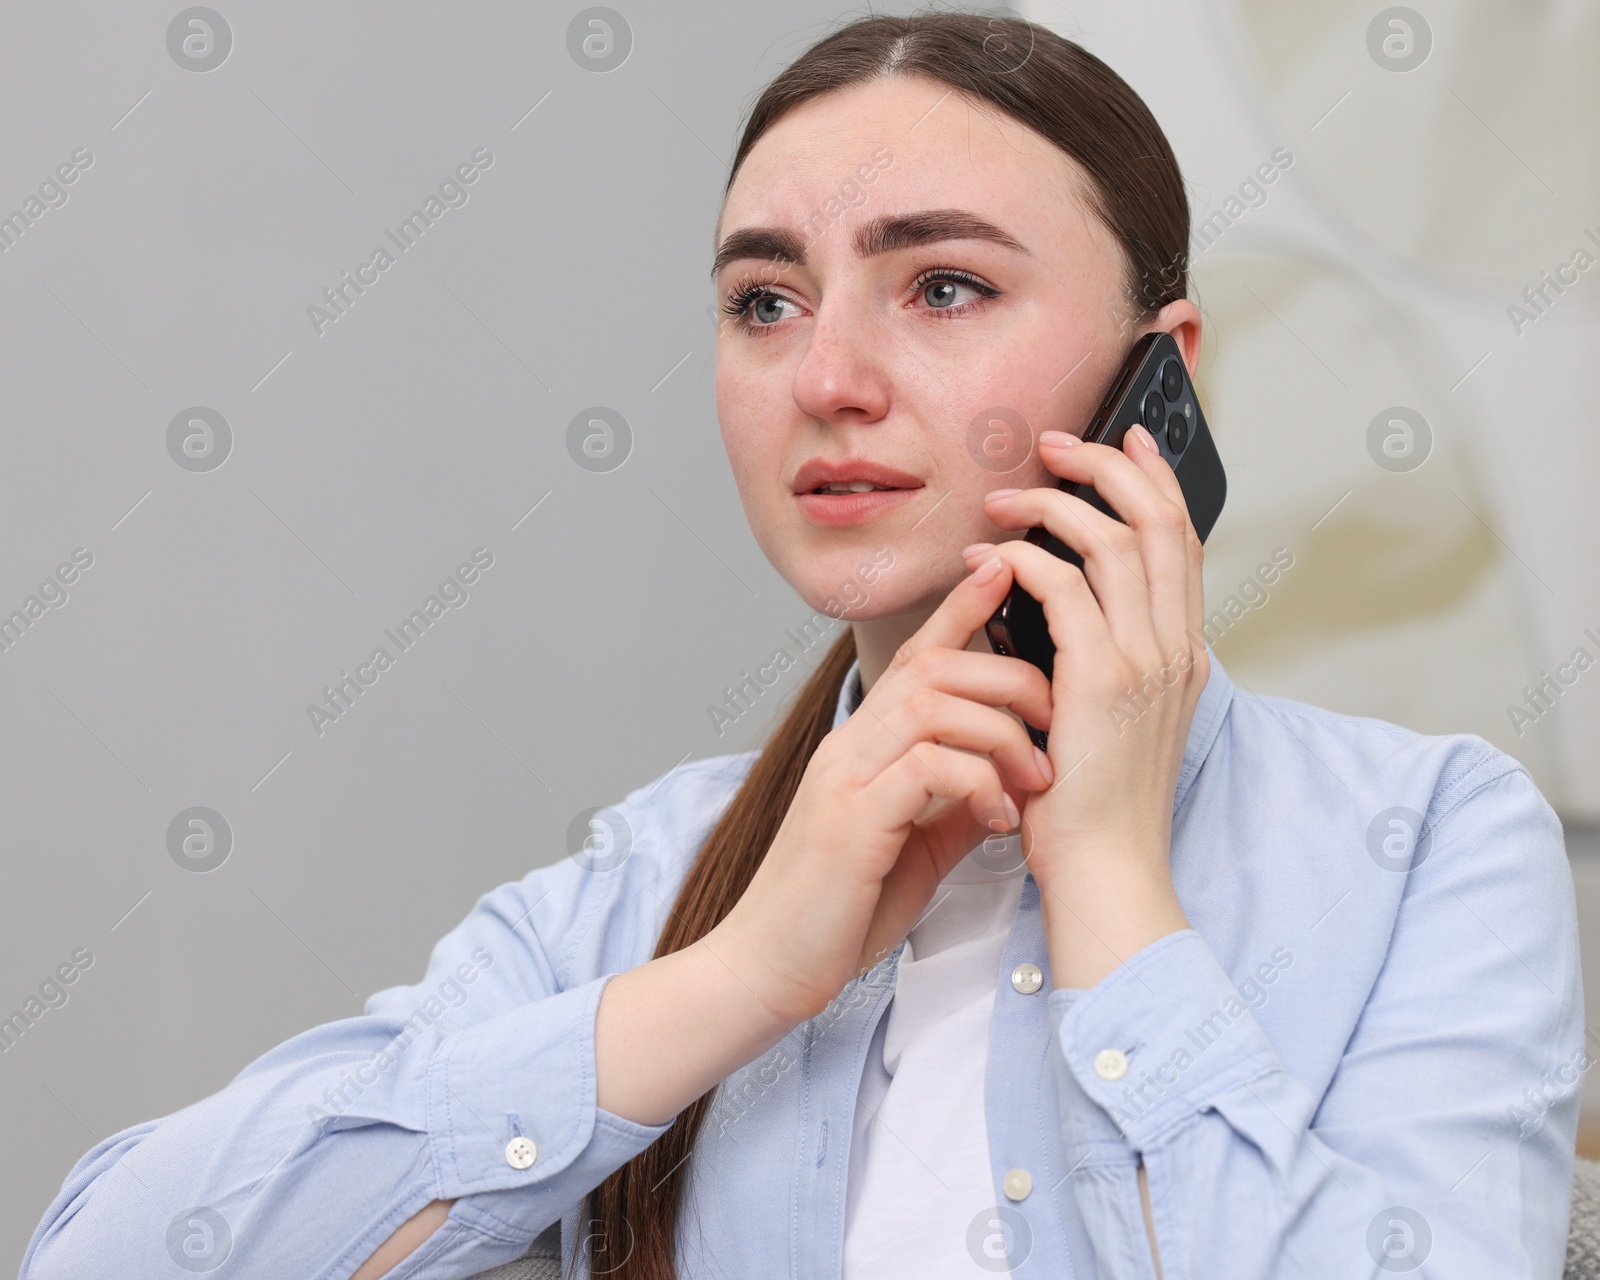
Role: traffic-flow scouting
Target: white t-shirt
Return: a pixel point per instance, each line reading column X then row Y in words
column 919, row 1155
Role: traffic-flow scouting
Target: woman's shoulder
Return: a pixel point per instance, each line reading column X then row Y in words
column 598, row 900
column 672, row 813
column 1441, row 841
column 1323, row 762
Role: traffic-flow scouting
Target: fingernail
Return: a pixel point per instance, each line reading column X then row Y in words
column 1045, row 766
column 1138, row 432
column 999, row 493
column 1062, row 439
column 1012, row 815
column 976, row 547
column 986, row 571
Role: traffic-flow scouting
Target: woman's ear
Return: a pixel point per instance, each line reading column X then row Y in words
column 1180, row 318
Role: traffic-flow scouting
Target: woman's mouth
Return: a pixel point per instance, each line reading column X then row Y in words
column 851, row 490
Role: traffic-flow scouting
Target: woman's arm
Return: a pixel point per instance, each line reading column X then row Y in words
column 672, row 1029
column 666, row 1032
column 1413, row 1155
column 1410, row 1154
column 346, row 1139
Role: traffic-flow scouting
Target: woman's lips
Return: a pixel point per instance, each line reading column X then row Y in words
column 851, row 508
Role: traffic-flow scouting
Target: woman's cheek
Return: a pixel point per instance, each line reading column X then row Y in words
column 741, row 444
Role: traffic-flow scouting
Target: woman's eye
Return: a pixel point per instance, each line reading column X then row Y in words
column 940, row 291
column 753, row 309
column 768, row 308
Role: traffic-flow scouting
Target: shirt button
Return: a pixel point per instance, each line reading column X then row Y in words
column 1027, row 978
column 520, row 1153
column 1111, row 1064
column 1017, row 1184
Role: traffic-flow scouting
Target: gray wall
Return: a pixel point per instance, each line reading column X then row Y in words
column 370, row 455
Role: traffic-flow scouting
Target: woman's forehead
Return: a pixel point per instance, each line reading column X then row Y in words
column 899, row 148
column 930, row 129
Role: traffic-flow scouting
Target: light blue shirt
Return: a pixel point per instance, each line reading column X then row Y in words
column 1369, row 1045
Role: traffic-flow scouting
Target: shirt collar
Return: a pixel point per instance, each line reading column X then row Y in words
column 1215, row 699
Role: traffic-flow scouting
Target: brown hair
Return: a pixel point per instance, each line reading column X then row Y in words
column 1073, row 99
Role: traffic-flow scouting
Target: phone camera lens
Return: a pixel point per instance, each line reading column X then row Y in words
column 1177, row 433
column 1171, row 379
column 1153, row 409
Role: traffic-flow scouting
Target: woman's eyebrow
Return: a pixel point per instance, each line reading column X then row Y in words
column 881, row 235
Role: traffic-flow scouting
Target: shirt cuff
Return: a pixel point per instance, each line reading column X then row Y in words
column 1156, row 1041
column 512, row 1101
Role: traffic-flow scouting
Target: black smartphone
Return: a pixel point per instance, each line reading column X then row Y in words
column 1152, row 388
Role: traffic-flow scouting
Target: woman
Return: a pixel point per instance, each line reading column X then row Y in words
column 1252, row 989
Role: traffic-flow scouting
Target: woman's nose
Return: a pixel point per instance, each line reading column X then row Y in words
column 845, row 366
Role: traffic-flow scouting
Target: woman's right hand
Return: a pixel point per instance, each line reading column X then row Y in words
column 859, row 855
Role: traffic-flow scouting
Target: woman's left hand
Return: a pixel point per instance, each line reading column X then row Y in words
column 1130, row 664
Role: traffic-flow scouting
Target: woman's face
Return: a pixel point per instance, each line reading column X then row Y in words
column 865, row 348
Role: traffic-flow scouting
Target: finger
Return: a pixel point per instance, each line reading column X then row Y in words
column 916, row 876
column 1112, row 559
column 939, row 656
column 1143, row 455
column 928, row 714
column 1086, row 651
column 955, row 697
column 1173, row 554
column 1139, row 484
column 987, row 678
column 1116, row 477
column 931, row 771
column 960, row 614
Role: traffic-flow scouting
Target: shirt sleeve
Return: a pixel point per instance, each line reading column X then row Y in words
column 476, row 1084
column 1444, row 1144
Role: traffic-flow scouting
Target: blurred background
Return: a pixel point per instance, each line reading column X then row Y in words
column 220, row 489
